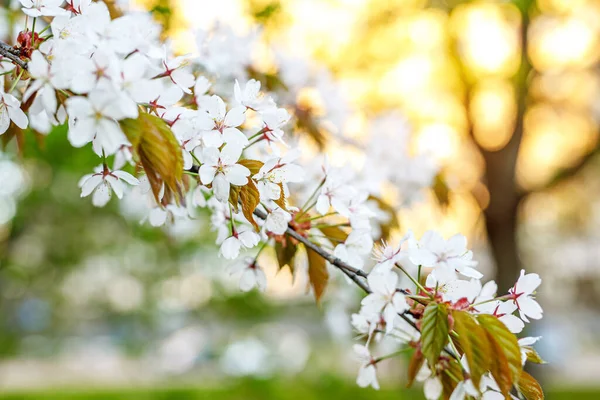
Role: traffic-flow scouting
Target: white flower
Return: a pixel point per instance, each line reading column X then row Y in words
column 44, row 83
column 451, row 254
column 177, row 70
column 522, row 295
column 525, row 345
column 388, row 255
column 225, row 122
column 367, row 374
column 45, row 8
column 273, row 120
column 384, row 297
column 94, row 118
column 103, row 183
column 355, row 247
column 10, row 110
column 250, row 97
column 159, row 215
column 432, row 386
column 277, row 221
column 244, row 237
column 276, row 173
column 251, row 274
column 334, row 193
column 221, row 170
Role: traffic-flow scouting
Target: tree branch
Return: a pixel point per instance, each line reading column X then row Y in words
column 569, row 172
column 12, row 54
column 353, row 273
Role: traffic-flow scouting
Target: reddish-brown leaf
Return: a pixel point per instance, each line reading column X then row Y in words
column 529, row 387
column 159, row 153
column 250, row 199
column 253, row 165
column 414, row 366
column 317, row 273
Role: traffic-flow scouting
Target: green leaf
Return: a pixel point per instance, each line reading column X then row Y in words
column 533, row 356
column 507, row 342
column 250, row 199
column 434, row 332
column 285, row 254
column 317, row 273
column 529, row 387
column 474, row 342
column 253, row 165
column 414, row 366
column 159, row 153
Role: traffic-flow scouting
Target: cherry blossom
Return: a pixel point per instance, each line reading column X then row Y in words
column 242, row 238
column 103, row 183
column 522, row 296
column 385, row 297
column 451, row 255
column 367, row 374
column 277, row 221
column 251, row 275
column 42, row 8
column 10, row 110
column 220, row 170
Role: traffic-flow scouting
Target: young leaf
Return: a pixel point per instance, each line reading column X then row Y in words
column 533, row 356
column 499, row 368
column 474, row 342
column 434, row 332
column 414, row 366
column 253, row 165
column 159, row 153
column 234, row 197
column 529, row 387
column 317, row 273
column 285, row 254
column 450, row 378
column 507, row 342
column 281, row 201
column 250, row 199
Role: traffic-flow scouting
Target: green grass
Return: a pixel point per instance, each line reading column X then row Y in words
column 330, row 389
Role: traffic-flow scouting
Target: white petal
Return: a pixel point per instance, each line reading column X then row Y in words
column 230, row 154
column 157, row 217
column 247, row 280
column 207, row 173
column 230, row 248
column 101, row 195
column 127, row 177
column 221, row 187
column 237, row 174
column 90, row 184
column 235, row 117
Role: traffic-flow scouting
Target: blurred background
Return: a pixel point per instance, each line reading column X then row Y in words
column 504, row 94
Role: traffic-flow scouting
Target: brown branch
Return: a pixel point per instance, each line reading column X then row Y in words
column 353, row 273
column 12, row 54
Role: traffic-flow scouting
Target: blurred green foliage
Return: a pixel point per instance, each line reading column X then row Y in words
column 326, row 388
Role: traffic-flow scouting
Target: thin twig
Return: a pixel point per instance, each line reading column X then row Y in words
column 12, row 54
column 353, row 273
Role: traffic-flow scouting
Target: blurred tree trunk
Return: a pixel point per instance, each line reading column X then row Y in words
column 501, row 215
